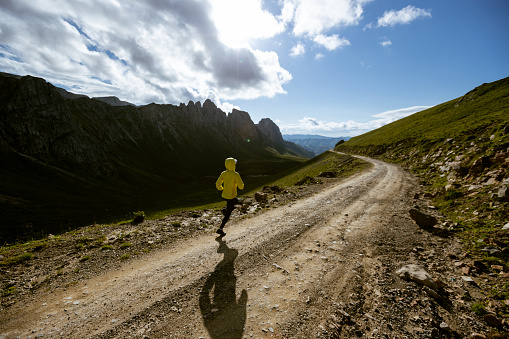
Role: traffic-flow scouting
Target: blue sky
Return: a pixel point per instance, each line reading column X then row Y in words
column 329, row 67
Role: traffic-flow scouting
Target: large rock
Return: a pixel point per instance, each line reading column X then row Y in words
column 503, row 193
column 418, row 274
column 479, row 165
column 423, row 220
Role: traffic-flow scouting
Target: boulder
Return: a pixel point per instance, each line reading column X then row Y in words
column 423, row 220
column 503, row 193
column 328, row 174
column 492, row 320
column 260, row 197
column 479, row 165
column 418, row 274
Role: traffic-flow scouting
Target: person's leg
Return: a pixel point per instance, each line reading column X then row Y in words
column 230, row 206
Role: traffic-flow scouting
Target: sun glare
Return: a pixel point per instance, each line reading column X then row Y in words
column 230, row 18
column 239, row 21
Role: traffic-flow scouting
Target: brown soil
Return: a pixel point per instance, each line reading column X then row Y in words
column 320, row 266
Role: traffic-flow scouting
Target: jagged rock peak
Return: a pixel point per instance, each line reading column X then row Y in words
column 209, row 105
column 270, row 130
column 193, row 104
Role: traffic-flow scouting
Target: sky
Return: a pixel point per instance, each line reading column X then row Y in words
column 328, row 67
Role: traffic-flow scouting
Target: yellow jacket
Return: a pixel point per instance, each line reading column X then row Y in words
column 229, row 180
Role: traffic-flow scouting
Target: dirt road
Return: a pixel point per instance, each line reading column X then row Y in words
column 321, row 266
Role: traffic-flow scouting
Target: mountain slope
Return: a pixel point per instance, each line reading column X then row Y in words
column 68, row 159
column 460, row 151
column 459, row 148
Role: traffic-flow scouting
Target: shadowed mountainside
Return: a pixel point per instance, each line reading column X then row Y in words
column 67, row 159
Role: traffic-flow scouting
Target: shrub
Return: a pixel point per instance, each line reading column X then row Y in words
column 84, row 241
column 478, row 308
column 176, row 224
column 139, row 217
column 124, row 257
column 125, row 245
column 453, row 194
column 106, row 247
column 8, row 291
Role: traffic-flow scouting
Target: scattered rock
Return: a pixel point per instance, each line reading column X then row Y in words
column 503, row 193
column 418, row 274
column 479, row 165
column 432, row 293
column 328, row 174
column 444, row 326
column 260, row 197
column 423, row 220
column 492, row 320
column 468, row 279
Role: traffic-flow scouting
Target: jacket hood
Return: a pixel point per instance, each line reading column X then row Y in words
column 229, row 163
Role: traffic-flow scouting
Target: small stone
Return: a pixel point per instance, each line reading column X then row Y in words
column 477, row 336
column 417, row 274
column 497, row 267
column 444, row 326
column 423, row 220
column 492, row 320
column 468, row 279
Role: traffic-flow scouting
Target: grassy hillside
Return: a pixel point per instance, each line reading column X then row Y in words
column 460, row 152
column 483, row 110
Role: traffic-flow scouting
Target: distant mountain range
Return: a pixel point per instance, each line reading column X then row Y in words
column 68, row 159
column 314, row 143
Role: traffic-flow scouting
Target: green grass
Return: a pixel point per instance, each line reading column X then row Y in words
column 125, row 245
column 16, row 260
column 478, row 308
column 8, row 291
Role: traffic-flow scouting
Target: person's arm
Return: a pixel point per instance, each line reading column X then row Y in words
column 219, row 183
column 240, row 183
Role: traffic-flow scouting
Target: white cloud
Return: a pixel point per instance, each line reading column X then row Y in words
column 309, row 125
column 311, row 17
column 403, row 16
column 319, row 56
column 331, row 42
column 161, row 51
column 386, row 43
column 297, row 50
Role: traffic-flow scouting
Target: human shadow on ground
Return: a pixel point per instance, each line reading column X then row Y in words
column 223, row 316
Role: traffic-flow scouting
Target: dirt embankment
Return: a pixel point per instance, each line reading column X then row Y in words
column 321, row 266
